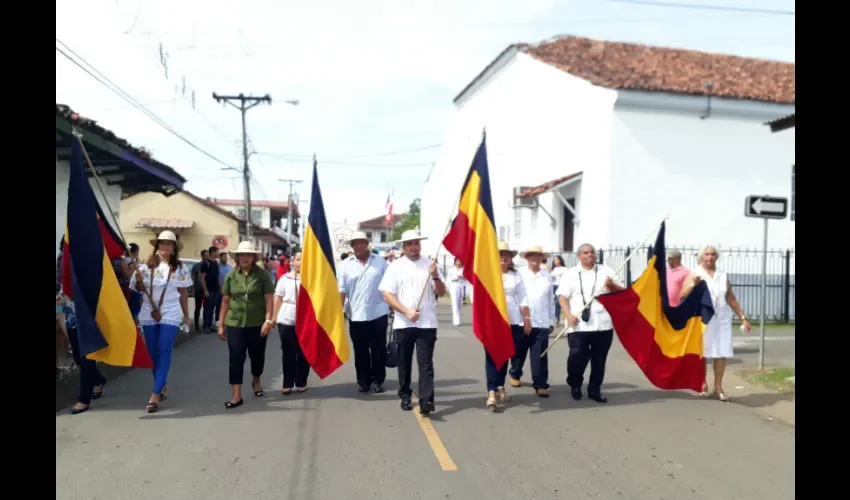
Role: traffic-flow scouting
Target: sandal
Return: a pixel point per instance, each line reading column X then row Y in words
column 152, row 407
column 257, row 393
column 301, row 389
column 721, row 397
column 286, row 392
column 164, row 394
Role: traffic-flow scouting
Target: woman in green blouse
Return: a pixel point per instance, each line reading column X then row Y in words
column 246, row 312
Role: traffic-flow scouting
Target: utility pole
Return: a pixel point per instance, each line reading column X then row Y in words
column 291, row 182
column 245, row 103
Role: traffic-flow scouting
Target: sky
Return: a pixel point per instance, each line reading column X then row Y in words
column 374, row 80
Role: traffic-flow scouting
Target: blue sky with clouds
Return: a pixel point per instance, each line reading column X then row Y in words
column 372, row 77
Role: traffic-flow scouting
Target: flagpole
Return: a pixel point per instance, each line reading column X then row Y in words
column 632, row 254
column 448, row 226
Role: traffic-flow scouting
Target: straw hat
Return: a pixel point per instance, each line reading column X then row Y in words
column 246, row 247
column 167, row 236
column 532, row 250
column 357, row 235
column 411, row 235
column 504, row 247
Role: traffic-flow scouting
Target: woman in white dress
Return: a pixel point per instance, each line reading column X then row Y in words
column 717, row 339
column 457, row 288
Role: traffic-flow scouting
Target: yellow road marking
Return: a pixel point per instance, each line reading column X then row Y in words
column 440, row 451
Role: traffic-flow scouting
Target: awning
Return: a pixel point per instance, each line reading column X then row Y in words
column 151, row 223
column 549, row 186
column 269, row 236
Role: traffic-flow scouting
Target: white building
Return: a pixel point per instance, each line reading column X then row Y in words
column 594, row 141
column 122, row 169
column 378, row 231
column 266, row 214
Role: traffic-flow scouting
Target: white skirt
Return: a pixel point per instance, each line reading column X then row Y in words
column 717, row 338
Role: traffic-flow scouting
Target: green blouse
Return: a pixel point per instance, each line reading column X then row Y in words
column 247, row 297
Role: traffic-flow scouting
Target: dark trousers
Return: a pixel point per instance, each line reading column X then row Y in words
column 218, row 298
column 296, row 369
column 588, row 347
column 211, row 304
column 90, row 376
column 495, row 376
column 536, row 342
column 423, row 340
column 199, row 302
column 370, row 350
column 240, row 340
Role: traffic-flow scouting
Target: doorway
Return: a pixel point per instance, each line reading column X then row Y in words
column 569, row 227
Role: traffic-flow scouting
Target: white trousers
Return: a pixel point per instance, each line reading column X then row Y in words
column 456, row 289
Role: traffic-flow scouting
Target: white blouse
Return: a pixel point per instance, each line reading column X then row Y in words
column 172, row 312
column 287, row 289
column 515, row 296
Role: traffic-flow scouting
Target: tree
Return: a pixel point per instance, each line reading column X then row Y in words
column 409, row 221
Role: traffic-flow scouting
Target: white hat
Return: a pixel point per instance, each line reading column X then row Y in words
column 246, row 247
column 357, row 235
column 504, row 247
column 411, row 235
column 533, row 249
column 167, row 236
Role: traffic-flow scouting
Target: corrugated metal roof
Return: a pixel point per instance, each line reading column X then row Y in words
column 165, row 223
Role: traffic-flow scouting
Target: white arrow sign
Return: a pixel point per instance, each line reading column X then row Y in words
column 761, row 206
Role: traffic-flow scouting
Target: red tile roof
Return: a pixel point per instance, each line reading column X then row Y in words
column 546, row 186
column 631, row 66
column 379, row 222
column 165, row 223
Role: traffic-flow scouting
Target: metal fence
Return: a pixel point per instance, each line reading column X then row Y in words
column 742, row 265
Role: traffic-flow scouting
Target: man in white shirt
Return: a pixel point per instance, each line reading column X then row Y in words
column 359, row 277
column 592, row 329
column 403, row 285
column 538, row 288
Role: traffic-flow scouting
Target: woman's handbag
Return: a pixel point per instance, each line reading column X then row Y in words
column 392, row 348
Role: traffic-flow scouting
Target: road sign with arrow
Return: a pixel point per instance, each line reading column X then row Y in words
column 766, row 207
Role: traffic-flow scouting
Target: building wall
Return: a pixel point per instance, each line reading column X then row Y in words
column 697, row 171
column 208, row 223
column 541, row 124
column 112, row 200
column 239, row 210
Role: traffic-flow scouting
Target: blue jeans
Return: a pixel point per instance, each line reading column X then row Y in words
column 557, row 307
column 534, row 343
column 210, row 305
column 159, row 340
column 495, row 377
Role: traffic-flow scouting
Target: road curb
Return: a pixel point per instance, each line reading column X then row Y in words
column 67, row 386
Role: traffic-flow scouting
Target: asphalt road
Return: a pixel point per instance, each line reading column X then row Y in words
column 334, row 443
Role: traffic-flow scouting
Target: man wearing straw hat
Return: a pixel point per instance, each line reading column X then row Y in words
column 359, row 277
column 592, row 329
column 411, row 286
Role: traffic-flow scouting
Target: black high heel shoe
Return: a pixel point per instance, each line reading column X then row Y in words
column 257, row 393
column 99, row 394
column 229, row 405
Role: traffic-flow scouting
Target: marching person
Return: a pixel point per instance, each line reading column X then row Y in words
column 211, row 283
column 538, row 288
column 558, row 270
column 405, row 282
column 359, row 277
column 296, row 369
column 247, row 313
column 717, row 338
column 166, row 280
column 520, row 321
column 676, row 276
column 592, row 328
column 457, row 291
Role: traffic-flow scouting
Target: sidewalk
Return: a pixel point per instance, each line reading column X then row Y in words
column 770, row 404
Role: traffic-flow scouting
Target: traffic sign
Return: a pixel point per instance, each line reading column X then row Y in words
column 766, row 207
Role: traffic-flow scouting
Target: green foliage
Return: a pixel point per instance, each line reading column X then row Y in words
column 409, row 221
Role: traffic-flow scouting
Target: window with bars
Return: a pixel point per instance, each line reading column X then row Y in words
column 257, row 217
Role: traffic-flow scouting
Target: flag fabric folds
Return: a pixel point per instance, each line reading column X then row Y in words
column 666, row 342
column 105, row 327
column 472, row 239
column 319, row 320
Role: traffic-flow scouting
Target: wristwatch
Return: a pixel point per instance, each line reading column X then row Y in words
column 269, row 322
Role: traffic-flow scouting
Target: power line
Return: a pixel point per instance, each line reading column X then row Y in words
column 720, row 8
column 106, row 82
column 356, row 155
column 355, row 164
